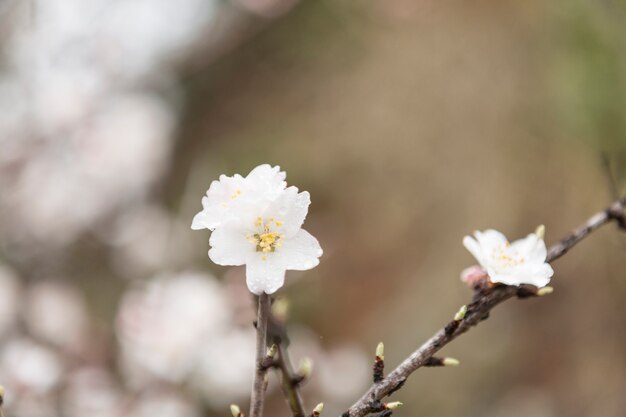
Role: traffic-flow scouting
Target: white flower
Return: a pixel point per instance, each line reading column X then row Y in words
column 162, row 328
column 520, row 262
column 257, row 222
column 28, row 366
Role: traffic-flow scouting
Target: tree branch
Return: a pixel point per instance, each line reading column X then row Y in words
column 290, row 382
column 485, row 298
column 260, row 382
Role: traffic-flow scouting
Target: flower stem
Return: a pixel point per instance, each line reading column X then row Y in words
column 260, row 382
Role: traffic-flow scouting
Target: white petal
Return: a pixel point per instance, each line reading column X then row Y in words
column 537, row 275
column 229, row 245
column 301, row 252
column 490, row 239
column 541, row 275
column 539, row 252
column 502, row 278
column 266, row 172
column 220, row 202
column 474, row 248
column 264, row 275
column 266, row 181
column 291, row 209
column 199, row 221
column 531, row 247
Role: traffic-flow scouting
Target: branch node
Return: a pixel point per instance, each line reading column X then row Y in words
column 268, row 363
column 526, row 291
column 434, row 361
column 377, row 406
column 379, row 363
column 451, row 327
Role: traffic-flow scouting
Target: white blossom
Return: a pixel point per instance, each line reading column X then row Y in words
column 56, row 312
column 27, row 365
column 256, row 221
column 10, row 294
column 163, row 327
column 516, row 263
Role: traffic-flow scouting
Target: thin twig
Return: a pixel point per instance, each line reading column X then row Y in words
column 483, row 301
column 290, row 382
column 260, row 382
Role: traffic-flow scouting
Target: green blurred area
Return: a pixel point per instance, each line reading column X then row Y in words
column 413, row 124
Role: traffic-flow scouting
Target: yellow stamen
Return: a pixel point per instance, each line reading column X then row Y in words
column 266, row 240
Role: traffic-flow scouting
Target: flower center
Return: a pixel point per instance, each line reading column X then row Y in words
column 266, row 240
column 506, row 258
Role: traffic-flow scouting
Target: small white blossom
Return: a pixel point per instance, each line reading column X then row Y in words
column 516, row 263
column 256, row 221
column 163, row 327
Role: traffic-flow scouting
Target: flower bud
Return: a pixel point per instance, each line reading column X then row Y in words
column 305, row 369
column 393, row 405
column 318, row 409
column 461, row 313
column 544, row 291
column 451, row 362
column 271, row 351
column 540, row 231
column 235, row 411
column 380, row 351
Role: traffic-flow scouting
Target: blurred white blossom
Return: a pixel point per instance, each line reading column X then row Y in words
column 163, row 404
column 83, row 115
column 164, row 327
column 226, row 367
column 146, row 239
column 56, row 313
column 343, row 373
column 92, row 392
column 27, row 366
column 9, row 299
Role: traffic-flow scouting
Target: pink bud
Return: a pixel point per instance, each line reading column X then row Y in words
column 474, row 276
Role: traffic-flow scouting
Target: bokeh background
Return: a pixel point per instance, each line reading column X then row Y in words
column 412, row 123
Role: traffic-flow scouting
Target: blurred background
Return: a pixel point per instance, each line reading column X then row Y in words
column 412, row 123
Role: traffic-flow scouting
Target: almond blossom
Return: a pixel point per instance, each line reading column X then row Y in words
column 516, row 263
column 257, row 222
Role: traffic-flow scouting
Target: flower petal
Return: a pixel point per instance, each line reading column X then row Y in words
column 291, row 209
column 267, row 173
column 301, row 252
column 229, row 245
column 474, row 248
column 490, row 239
column 199, row 221
column 264, row 275
column 531, row 247
column 507, row 279
column 541, row 275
